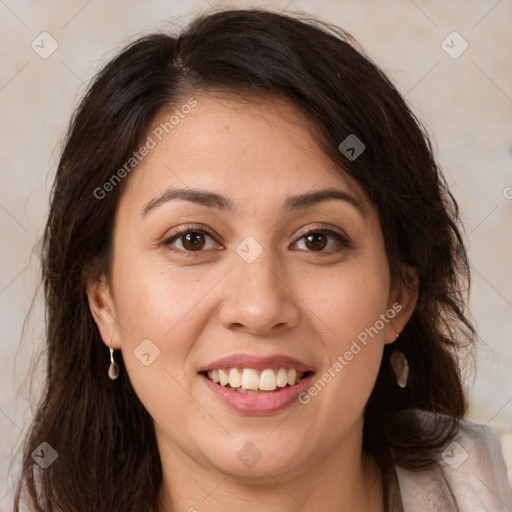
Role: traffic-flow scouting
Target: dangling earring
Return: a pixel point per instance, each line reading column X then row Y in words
column 113, row 369
column 400, row 367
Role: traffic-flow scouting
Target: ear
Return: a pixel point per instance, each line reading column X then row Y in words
column 402, row 302
column 103, row 311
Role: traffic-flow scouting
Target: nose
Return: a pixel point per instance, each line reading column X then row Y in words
column 257, row 299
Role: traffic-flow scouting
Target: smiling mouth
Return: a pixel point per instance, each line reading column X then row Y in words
column 254, row 382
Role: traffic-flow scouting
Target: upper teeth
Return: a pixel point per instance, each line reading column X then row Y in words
column 248, row 378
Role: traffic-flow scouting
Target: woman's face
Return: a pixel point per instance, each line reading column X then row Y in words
column 237, row 244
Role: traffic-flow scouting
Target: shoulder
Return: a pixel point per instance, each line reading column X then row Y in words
column 470, row 475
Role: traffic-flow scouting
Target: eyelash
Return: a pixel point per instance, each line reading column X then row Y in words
column 343, row 240
column 183, row 231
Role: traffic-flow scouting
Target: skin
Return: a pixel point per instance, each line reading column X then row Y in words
column 293, row 300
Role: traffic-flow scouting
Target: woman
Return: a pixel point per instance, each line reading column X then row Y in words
column 254, row 283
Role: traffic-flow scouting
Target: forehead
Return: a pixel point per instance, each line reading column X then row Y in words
column 249, row 148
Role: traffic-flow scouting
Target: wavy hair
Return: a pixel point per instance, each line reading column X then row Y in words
column 88, row 419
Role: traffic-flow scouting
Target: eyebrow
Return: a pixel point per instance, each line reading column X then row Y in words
column 223, row 203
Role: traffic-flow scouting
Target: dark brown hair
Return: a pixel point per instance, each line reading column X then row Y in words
column 107, row 453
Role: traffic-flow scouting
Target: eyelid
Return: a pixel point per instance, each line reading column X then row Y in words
column 188, row 228
column 203, row 228
column 324, row 228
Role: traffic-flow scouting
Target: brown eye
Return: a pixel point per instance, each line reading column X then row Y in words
column 193, row 241
column 323, row 241
column 190, row 240
column 316, row 241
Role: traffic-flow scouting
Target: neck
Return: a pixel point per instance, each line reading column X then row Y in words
column 350, row 483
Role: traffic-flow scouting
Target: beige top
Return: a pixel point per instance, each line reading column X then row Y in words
column 471, row 476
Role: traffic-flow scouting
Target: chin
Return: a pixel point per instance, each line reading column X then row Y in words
column 256, row 458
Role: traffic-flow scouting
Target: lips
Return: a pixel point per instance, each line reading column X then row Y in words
column 256, row 385
column 257, row 363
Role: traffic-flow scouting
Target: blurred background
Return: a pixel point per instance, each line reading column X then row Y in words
column 451, row 61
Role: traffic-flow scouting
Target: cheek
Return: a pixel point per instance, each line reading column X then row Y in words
column 160, row 314
column 166, row 308
column 346, row 304
column 154, row 301
column 347, row 308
